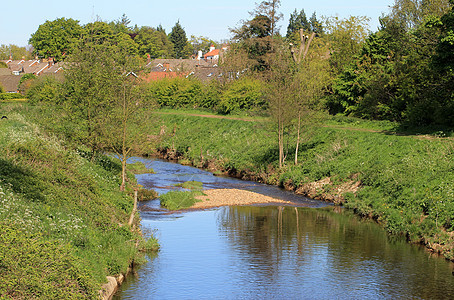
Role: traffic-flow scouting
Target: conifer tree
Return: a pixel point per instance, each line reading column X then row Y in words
column 179, row 40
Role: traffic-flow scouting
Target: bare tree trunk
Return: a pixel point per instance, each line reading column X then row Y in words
column 123, row 146
column 123, row 174
column 134, row 209
column 298, row 137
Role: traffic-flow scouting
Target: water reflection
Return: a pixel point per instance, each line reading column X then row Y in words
column 284, row 252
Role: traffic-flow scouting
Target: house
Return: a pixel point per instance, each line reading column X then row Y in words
column 34, row 66
column 212, row 55
column 10, row 83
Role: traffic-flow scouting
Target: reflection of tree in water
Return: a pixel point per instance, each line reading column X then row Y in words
column 343, row 247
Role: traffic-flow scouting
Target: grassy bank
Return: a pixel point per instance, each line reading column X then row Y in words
column 63, row 221
column 378, row 169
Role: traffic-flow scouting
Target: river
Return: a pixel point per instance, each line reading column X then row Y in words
column 313, row 251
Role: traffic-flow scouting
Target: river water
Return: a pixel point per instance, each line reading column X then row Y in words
column 313, row 251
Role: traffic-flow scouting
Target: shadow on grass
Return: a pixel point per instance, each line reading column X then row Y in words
column 21, row 181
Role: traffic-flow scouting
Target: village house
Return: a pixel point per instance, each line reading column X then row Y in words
column 10, row 77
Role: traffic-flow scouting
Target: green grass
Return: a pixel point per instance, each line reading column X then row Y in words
column 176, row 200
column 63, row 219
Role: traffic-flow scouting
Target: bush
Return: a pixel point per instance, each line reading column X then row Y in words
column 10, row 96
column 176, row 92
column 242, row 94
column 44, row 89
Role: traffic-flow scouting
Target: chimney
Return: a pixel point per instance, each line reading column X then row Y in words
column 167, row 67
column 148, row 58
column 212, row 48
column 50, row 62
column 199, row 55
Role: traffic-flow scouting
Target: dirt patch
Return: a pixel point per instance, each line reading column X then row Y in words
column 231, row 197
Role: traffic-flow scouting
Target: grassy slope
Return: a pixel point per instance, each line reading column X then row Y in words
column 61, row 216
column 406, row 181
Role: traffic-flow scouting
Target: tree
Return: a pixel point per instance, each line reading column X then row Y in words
column 412, row 13
column 56, row 38
column 125, row 129
column 100, row 34
column 346, row 39
column 297, row 21
column 280, row 91
column 311, row 82
column 87, row 85
column 153, row 42
column 269, row 9
column 180, row 42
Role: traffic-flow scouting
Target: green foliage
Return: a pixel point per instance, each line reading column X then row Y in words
column 181, row 47
column 175, row 200
column 56, row 38
column 298, row 20
column 44, row 89
column 153, row 42
column 243, row 94
column 346, row 38
column 33, row 267
column 15, row 51
column 177, row 92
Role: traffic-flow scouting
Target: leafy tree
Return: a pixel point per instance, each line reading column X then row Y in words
column 269, row 9
column 100, row 34
column 44, row 89
column 346, row 38
column 180, row 42
column 87, row 86
column 56, row 38
column 412, row 13
column 153, row 42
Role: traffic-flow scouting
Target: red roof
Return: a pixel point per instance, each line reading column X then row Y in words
column 212, row 53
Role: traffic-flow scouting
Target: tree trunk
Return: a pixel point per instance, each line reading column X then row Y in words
column 298, row 137
column 123, row 174
column 131, row 217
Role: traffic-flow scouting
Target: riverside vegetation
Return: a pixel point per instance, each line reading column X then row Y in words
column 63, row 225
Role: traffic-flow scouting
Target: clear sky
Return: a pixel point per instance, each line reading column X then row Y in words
column 201, row 18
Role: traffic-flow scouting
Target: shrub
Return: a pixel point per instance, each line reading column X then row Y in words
column 242, row 94
column 44, row 89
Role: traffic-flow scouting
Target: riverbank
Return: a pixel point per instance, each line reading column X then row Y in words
column 63, row 221
column 402, row 182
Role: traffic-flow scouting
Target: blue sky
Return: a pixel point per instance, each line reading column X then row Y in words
column 201, row 18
